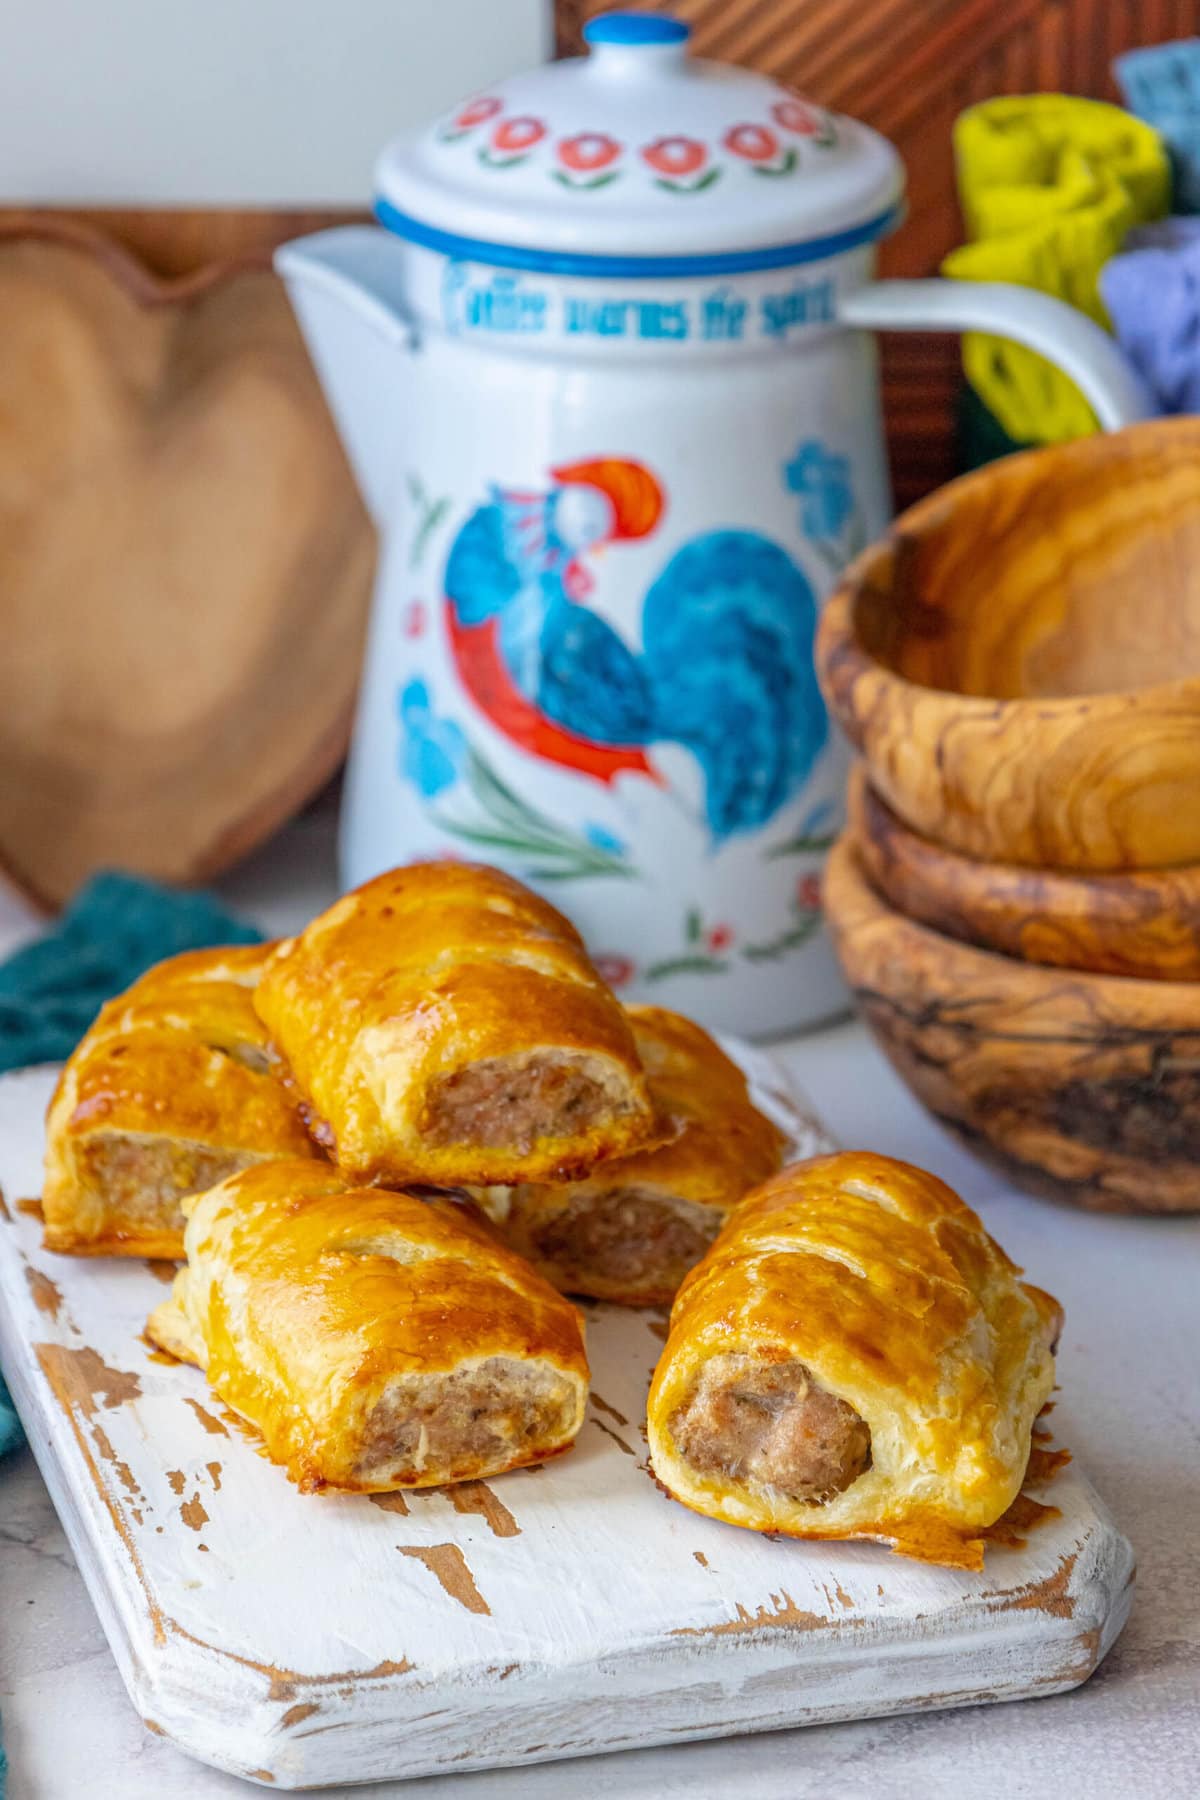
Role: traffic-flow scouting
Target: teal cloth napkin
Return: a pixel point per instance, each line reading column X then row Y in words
column 116, row 927
column 113, row 930
column 10, row 1425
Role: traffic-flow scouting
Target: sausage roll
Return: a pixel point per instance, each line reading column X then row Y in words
column 854, row 1358
column 376, row 1340
column 444, row 1025
column 631, row 1231
column 169, row 1092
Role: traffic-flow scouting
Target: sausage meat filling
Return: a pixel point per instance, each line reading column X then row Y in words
column 144, row 1178
column 770, row 1424
column 513, row 1104
column 490, row 1413
column 627, row 1243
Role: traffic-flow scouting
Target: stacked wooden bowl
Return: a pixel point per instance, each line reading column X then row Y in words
column 1016, row 899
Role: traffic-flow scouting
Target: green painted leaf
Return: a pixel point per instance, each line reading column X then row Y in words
column 686, row 965
column 780, row 168
column 433, row 518
column 582, row 184
column 479, row 834
column 693, row 926
column 491, row 792
column 812, row 845
column 691, row 187
column 582, row 871
column 790, row 940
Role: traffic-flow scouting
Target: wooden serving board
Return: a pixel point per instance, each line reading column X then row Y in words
column 549, row 1613
column 184, row 558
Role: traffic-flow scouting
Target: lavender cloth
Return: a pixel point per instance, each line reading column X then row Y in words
column 1152, row 292
column 1161, row 84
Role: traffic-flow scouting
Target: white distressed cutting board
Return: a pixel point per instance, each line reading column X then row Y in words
column 548, row 1613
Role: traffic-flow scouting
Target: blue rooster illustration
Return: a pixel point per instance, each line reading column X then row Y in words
column 725, row 667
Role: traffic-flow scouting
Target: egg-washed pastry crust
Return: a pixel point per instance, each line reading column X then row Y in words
column 376, row 1340
column 854, row 1358
column 443, row 1024
column 169, row 1091
column 631, row 1231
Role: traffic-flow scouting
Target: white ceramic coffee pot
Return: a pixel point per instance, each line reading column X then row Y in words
column 606, row 375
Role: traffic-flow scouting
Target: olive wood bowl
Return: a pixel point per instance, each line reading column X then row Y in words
column 1083, row 1087
column 1145, row 924
column 1018, row 660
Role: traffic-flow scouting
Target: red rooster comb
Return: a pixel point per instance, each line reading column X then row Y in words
column 637, row 499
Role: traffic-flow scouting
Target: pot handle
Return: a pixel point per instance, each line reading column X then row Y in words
column 1078, row 346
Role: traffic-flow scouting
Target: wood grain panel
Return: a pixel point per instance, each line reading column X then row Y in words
column 908, row 67
column 177, row 241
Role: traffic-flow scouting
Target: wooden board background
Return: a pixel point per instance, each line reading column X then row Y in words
column 908, row 67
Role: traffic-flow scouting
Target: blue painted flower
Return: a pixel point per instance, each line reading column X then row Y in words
column 603, row 839
column 823, row 482
column 433, row 751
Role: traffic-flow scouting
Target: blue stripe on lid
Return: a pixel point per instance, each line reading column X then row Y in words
column 635, row 28
column 564, row 262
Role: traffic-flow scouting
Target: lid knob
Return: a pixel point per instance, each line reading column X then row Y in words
column 635, row 42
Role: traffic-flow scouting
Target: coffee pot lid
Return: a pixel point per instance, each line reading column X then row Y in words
column 640, row 159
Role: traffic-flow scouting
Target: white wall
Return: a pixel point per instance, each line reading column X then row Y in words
column 235, row 102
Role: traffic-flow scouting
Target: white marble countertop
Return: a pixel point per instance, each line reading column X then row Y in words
column 1129, row 1409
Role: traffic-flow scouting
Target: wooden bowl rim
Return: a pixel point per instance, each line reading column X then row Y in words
column 1016, row 984
column 837, row 633
column 861, row 794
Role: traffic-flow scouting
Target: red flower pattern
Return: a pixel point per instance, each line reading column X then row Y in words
column 675, row 155
column 797, row 115
column 588, row 151
column 753, row 142
column 518, row 134
column 616, row 970
column 414, row 619
column 720, row 937
column 808, row 893
column 589, row 159
column 476, row 111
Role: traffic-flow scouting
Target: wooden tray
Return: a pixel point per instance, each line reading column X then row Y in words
column 550, row 1613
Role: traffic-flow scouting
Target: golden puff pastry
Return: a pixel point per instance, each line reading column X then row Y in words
column 854, row 1358
column 169, row 1092
column 376, row 1340
column 631, row 1231
column 444, row 1025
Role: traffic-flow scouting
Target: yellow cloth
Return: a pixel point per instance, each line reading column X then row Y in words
column 1049, row 185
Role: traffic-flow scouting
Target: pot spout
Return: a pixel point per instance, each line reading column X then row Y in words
column 345, row 286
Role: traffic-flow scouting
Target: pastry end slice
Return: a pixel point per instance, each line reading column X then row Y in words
column 376, row 1340
column 854, row 1358
column 168, row 1093
column 443, row 1024
column 631, row 1229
